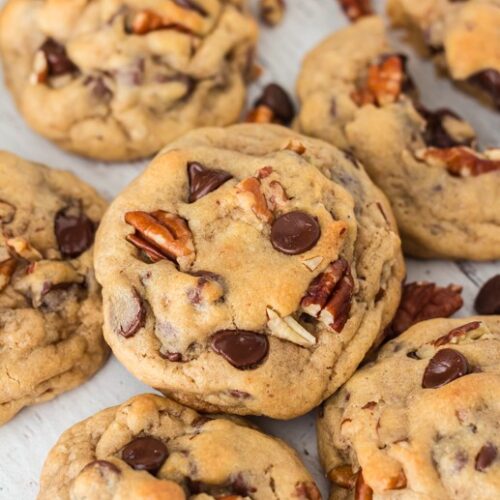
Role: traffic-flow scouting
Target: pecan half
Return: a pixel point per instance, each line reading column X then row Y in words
column 288, row 328
column 354, row 9
column 272, row 11
column 7, row 268
column 423, row 300
column 461, row 160
column 474, row 330
column 384, row 82
column 161, row 235
column 250, row 195
column 329, row 295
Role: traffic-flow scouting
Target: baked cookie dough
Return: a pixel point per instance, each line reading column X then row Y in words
column 248, row 270
column 119, row 79
column 422, row 421
column 462, row 37
column 151, row 448
column 50, row 303
column 445, row 194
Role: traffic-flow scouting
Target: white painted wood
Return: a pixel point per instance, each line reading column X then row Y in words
column 25, row 441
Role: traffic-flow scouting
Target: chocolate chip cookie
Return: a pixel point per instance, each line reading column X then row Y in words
column 462, row 37
column 444, row 192
column 423, row 420
column 119, row 79
column 152, row 448
column 50, row 303
column 247, row 265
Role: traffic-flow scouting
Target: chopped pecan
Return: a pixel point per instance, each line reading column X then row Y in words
column 260, row 114
column 329, row 295
column 423, row 300
column 313, row 262
column 272, row 11
column 462, row 332
column 23, row 249
column 461, row 160
column 275, row 195
column 40, row 68
column 146, row 21
column 296, row 146
column 343, row 476
column 384, row 83
column 251, row 196
column 7, row 268
column 288, row 328
column 354, row 9
column 161, row 235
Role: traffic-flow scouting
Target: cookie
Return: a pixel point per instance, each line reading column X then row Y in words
column 50, row 302
column 152, row 448
column 119, row 79
column 247, row 264
column 444, row 192
column 462, row 38
column 422, row 420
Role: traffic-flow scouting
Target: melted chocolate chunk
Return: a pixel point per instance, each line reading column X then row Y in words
column 191, row 5
column 445, row 366
column 203, row 180
column 489, row 81
column 295, row 232
column 57, row 60
column 74, row 234
column 243, row 349
column 145, row 453
column 275, row 98
column 435, row 133
column 487, row 454
column 488, row 298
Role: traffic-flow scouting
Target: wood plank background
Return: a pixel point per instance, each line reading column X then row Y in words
column 25, row 441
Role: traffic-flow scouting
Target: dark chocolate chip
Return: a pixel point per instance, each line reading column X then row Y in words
column 275, row 98
column 145, row 453
column 488, row 298
column 74, row 234
column 104, row 466
column 413, row 355
column 203, row 180
column 57, row 60
column 487, row 454
column 191, row 5
column 295, row 232
column 174, row 357
column 489, row 81
column 240, row 487
column 444, row 367
column 243, row 349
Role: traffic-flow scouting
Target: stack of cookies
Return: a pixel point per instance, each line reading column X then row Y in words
column 252, row 269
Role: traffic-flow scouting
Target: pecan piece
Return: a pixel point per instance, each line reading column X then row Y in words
column 423, row 300
column 329, row 295
column 23, row 249
column 146, row 21
column 354, row 9
column 384, row 83
column 250, row 195
column 296, row 146
column 272, row 11
column 361, row 490
column 161, row 235
column 7, row 268
column 461, row 161
column 472, row 330
column 288, row 328
column 343, row 476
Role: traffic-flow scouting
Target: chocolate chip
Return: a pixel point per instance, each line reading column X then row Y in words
column 145, row 453
column 104, row 466
column 57, row 60
column 190, row 5
column 275, row 98
column 489, row 81
column 74, row 233
column 203, row 180
column 295, row 232
column 444, row 367
column 243, row 349
column 98, row 88
column 488, row 298
column 174, row 357
column 240, row 487
column 487, row 454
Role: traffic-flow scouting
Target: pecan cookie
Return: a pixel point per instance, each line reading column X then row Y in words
column 50, row 303
column 444, row 192
column 423, row 420
column 150, row 448
column 119, row 79
column 245, row 265
column 462, row 37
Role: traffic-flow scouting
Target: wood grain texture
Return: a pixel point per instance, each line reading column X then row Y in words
column 25, row 441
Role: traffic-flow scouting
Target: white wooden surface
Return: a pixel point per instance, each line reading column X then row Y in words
column 25, row 441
